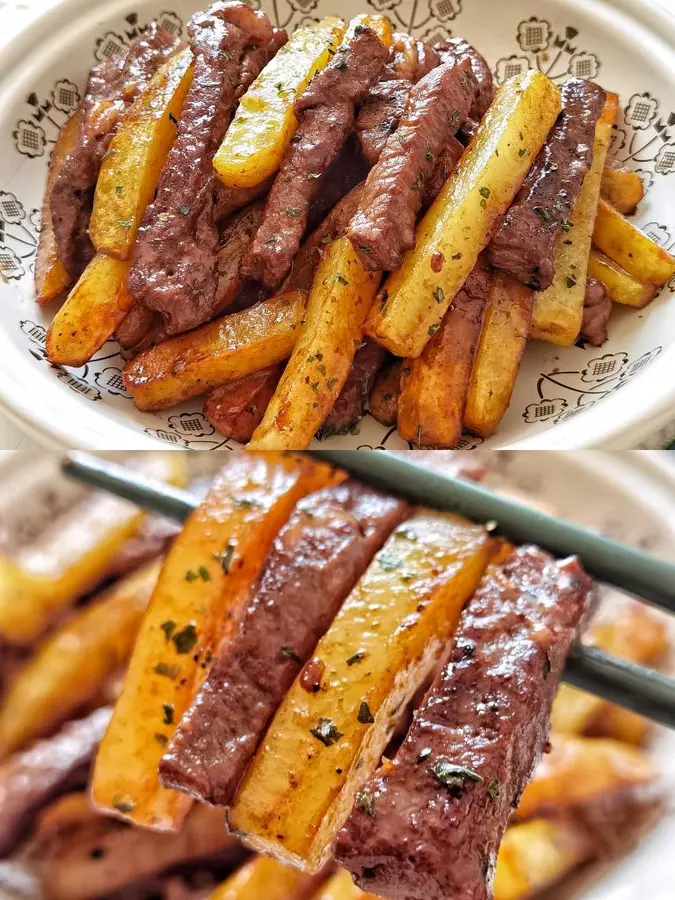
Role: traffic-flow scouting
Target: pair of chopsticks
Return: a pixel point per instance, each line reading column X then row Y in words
column 627, row 684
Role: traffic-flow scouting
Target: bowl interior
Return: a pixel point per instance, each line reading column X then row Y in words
column 563, row 397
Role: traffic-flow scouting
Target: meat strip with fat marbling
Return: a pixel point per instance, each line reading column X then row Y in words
column 112, row 87
column 525, row 242
column 315, row 561
column 325, row 111
column 384, row 227
column 597, row 310
column 174, row 264
column 31, row 778
column 428, row 825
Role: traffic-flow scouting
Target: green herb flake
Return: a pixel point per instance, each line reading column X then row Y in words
column 522, row 152
column 290, row 653
column 438, row 294
column 388, row 561
column 313, row 176
column 161, row 739
column 457, row 256
column 168, row 713
column 566, row 225
column 315, row 387
column 330, row 383
column 184, row 210
column 339, row 278
column 418, row 183
column 570, row 282
column 191, row 576
column 225, row 557
column 293, row 212
column 428, row 155
column 168, row 628
column 365, row 716
column 123, row 805
column 356, row 657
column 326, row 732
column 185, row 639
column 247, row 503
column 204, row 573
column 364, row 248
column 494, row 789
column 119, row 189
column 544, row 214
column 405, row 534
column 167, row 671
column 365, row 801
column 126, row 223
column 433, row 329
column 452, row 776
column 484, row 192
column 327, row 239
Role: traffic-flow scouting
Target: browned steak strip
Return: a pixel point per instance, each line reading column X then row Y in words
column 112, row 86
column 457, row 50
column 174, row 265
column 383, row 403
column 524, row 245
column 234, row 240
column 384, row 227
column 350, row 406
column 379, row 115
column 236, row 408
column 315, row 561
column 31, row 778
column 326, row 114
column 429, row 824
column 410, row 58
column 597, row 310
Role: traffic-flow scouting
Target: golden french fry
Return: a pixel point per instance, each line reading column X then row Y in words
column 136, row 156
column 264, row 123
column 71, row 667
column 381, row 25
column 73, row 556
column 224, row 350
column 631, row 248
column 204, row 583
column 620, row 286
column 558, row 311
column 338, row 303
column 94, row 308
column 622, row 188
column 503, row 337
column 461, row 220
column 51, row 278
column 264, row 877
column 320, row 747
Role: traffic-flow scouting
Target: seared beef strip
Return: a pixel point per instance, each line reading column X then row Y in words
column 428, row 825
column 256, row 58
column 350, row 406
column 112, row 86
column 32, row 777
column 325, row 111
column 383, row 403
column 379, row 114
column 236, row 408
column 597, row 310
column 456, row 50
column 384, row 227
column 234, row 240
column 174, row 264
column 524, row 245
column 315, row 561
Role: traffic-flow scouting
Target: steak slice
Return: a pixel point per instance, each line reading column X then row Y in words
column 524, row 245
column 256, row 58
column 384, row 227
column 352, row 401
column 379, row 115
column 597, row 310
column 315, row 561
column 174, row 264
column 31, row 778
column 236, row 408
column 325, row 111
column 456, row 50
column 112, row 87
column 429, row 824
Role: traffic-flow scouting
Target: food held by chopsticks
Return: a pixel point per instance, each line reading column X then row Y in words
column 279, row 673
column 247, row 164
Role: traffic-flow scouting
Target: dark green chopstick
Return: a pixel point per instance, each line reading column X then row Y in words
column 631, row 686
column 605, row 560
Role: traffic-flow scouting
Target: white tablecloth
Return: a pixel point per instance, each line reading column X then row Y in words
column 14, row 14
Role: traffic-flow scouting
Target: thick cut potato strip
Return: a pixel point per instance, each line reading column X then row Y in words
column 579, row 771
column 558, row 311
column 94, row 308
column 73, row 555
column 264, row 877
column 338, row 303
column 320, row 747
column 461, row 220
column 51, row 278
column 71, row 667
column 620, row 286
column 537, row 854
column 381, row 25
column 622, row 188
column 136, row 157
column 203, row 585
column 228, row 348
column 506, row 328
column 265, row 122
column 631, row 248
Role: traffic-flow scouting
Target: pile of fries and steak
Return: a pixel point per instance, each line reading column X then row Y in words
column 316, row 670
column 250, row 213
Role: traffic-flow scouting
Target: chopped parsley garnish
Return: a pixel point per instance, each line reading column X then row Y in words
column 161, row 739
column 167, row 671
column 457, row 256
column 185, row 639
column 388, row 561
column 428, row 155
column 123, row 804
column 225, row 557
column 365, row 801
column 119, row 189
column 168, row 628
column 438, row 294
column 570, row 282
column 204, row 573
column 168, row 713
column 184, row 210
column 293, row 212
column 544, row 214
column 433, row 329
column 365, row 716
column 452, row 776
column 246, row 503
column 484, row 192
column 522, row 152
column 126, row 223
column 326, row 732
column 339, row 277
column 566, row 225
column 494, row 789
column 356, row 657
